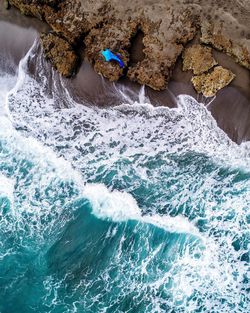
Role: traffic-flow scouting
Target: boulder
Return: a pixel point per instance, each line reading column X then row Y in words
column 60, row 53
column 209, row 84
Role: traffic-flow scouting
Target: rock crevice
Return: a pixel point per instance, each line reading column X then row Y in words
column 167, row 27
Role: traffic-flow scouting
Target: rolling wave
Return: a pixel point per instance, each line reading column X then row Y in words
column 126, row 209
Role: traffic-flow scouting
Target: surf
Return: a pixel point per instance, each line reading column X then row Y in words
column 117, row 209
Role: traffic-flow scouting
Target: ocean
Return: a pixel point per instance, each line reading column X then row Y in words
column 129, row 208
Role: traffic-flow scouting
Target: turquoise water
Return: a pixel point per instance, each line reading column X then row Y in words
column 130, row 209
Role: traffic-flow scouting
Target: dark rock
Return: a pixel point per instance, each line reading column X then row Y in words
column 167, row 27
column 60, row 53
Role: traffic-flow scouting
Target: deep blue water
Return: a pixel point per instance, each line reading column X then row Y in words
column 130, row 209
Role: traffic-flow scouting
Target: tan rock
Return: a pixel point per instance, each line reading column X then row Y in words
column 198, row 58
column 167, row 26
column 112, row 24
column 115, row 36
column 110, row 70
column 35, row 8
column 219, row 38
column 209, row 84
column 60, row 53
column 155, row 77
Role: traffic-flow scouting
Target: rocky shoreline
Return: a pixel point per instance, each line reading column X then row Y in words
column 230, row 107
column 82, row 29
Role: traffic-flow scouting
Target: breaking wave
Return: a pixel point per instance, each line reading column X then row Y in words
column 125, row 209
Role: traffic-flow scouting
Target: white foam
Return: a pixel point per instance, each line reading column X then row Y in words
column 7, row 187
column 116, row 206
column 176, row 224
column 113, row 205
column 7, row 82
column 189, row 127
column 121, row 206
column 125, row 139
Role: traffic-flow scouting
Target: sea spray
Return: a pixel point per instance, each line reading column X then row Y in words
column 126, row 209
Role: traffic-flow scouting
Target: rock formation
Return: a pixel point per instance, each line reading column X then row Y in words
column 198, row 58
column 208, row 84
column 60, row 53
column 90, row 26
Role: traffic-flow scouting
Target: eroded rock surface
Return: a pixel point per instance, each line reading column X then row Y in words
column 213, row 34
column 209, row 84
column 60, row 53
column 198, row 58
column 167, row 27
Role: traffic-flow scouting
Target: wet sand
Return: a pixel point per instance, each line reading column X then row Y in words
column 86, row 27
column 230, row 108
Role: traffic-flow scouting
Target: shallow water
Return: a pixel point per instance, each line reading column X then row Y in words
column 129, row 209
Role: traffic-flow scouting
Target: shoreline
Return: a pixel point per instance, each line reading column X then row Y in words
column 83, row 30
column 115, row 197
column 230, row 108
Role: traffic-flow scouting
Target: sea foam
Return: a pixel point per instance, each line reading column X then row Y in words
column 121, row 206
column 172, row 171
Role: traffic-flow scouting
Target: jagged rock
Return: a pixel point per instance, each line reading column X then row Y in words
column 115, row 36
column 156, row 68
column 60, row 53
column 155, row 77
column 69, row 20
column 110, row 70
column 213, row 34
column 31, row 7
column 209, row 84
column 198, row 58
column 112, row 24
column 167, row 27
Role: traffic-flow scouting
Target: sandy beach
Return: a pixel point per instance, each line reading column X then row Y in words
column 230, row 107
column 124, row 189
